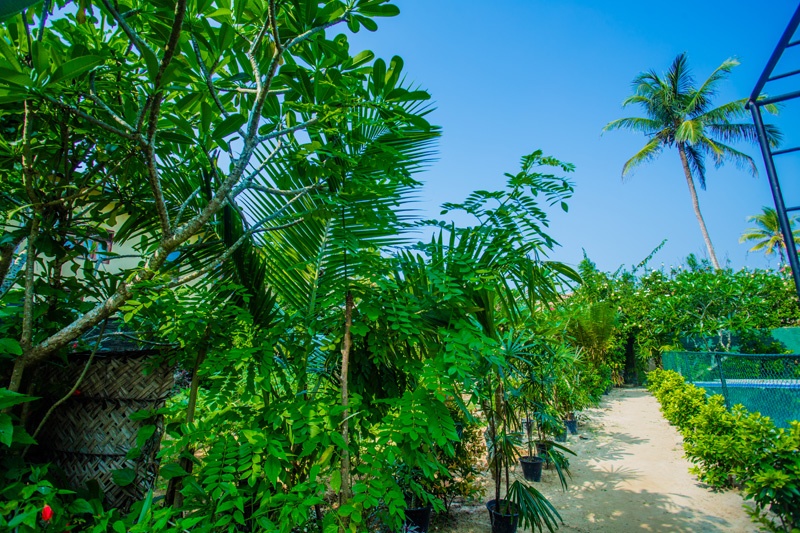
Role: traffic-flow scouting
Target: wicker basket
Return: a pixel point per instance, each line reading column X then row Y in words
column 89, row 435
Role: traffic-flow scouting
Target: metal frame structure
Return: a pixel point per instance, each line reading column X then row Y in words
column 754, row 104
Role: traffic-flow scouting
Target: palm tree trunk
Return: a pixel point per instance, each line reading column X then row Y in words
column 696, row 206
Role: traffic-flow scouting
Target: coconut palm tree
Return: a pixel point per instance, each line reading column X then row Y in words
column 768, row 233
column 680, row 115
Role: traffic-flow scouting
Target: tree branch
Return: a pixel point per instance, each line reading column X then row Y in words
column 305, row 36
column 96, row 99
column 185, row 204
column 207, row 77
column 286, row 131
column 229, row 252
column 97, row 122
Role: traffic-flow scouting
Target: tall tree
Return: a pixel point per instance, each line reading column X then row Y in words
column 767, row 233
column 680, row 115
column 185, row 119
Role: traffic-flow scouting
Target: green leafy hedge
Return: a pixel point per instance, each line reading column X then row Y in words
column 736, row 447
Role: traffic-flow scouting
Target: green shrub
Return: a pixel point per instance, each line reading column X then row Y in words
column 735, row 447
column 773, row 479
column 710, row 443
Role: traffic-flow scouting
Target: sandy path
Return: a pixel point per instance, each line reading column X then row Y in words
column 629, row 476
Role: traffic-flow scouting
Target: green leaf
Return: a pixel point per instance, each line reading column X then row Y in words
column 81, row 506
column 145, row 432
column 228, row 126
column 152, row 62
column 12, row 7
column 368, row 23
column 336, row 481
column 172, row 470
column 564, row 206
column 9, row 398
column 10, row 346
column 123, row 476
column 12, row 77
column 75, row 67
column 6, row 430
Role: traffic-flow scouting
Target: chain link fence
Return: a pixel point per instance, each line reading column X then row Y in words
column 767, row 384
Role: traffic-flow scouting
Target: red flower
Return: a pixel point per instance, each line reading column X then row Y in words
column 76, row 392
column 47, row 513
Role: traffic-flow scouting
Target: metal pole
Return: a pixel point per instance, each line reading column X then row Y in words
column 780, row 207
column 776, row 55
column 723, row 382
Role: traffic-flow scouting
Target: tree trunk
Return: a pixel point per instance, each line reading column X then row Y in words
column 696, row 206
column 346, row 492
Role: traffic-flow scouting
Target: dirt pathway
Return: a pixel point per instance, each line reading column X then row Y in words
column 629, row 476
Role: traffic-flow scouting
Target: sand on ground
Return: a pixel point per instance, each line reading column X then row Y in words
column 629, row 476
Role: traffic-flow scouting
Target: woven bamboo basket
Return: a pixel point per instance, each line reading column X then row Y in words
column 90, row 434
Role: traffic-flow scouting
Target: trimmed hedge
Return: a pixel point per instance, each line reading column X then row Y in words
column 735, row 447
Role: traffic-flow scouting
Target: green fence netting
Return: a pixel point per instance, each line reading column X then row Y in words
column 767, row 384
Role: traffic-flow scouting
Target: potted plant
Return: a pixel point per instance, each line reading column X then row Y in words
column 418, row 497
column 520, row 504
column 531, row 464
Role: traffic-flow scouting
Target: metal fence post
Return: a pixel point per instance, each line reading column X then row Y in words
column 722, row 381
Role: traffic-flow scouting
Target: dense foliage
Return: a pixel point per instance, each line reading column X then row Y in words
column 644, row 311
column 736, row 447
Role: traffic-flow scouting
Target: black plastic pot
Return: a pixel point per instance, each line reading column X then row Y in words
column 543, row 449
column 531, row 467
column 572, row 426
column 420, row 518
column 502, row 523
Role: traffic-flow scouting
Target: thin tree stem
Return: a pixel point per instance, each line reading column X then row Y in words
column 346, row 491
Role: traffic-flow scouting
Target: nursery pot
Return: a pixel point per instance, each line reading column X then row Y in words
column 502, row 523
column 419, row 518
column 561, row 436
column 572, row 426
column 531, row 467
column 543, row 450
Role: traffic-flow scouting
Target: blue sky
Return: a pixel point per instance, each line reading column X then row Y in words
column 512, row 76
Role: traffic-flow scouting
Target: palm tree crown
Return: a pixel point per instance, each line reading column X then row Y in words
column 680, row 115
column 767, row 233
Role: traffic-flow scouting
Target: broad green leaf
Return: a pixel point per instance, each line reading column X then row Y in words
column 6, row 430
column 228, row 126
column 81, row 506
column 10, row 346
column 14, row 78
column 123, row 477
column 152, row 62
column 9, row 398
column 172, row 470
column 75, row 67
column 144, row 434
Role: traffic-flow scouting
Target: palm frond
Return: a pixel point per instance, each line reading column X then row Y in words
column 648, row 152
column 643, row 125
column 702, row 96
column 723, row 152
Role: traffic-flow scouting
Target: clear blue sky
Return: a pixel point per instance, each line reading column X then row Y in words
column 511, row 76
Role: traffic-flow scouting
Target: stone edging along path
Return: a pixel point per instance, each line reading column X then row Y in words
column 629, row 476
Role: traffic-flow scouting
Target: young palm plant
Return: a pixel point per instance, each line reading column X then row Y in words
column 680, row 115
column 768, row 235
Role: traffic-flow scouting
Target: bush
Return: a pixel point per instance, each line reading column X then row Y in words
column 735, row 447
